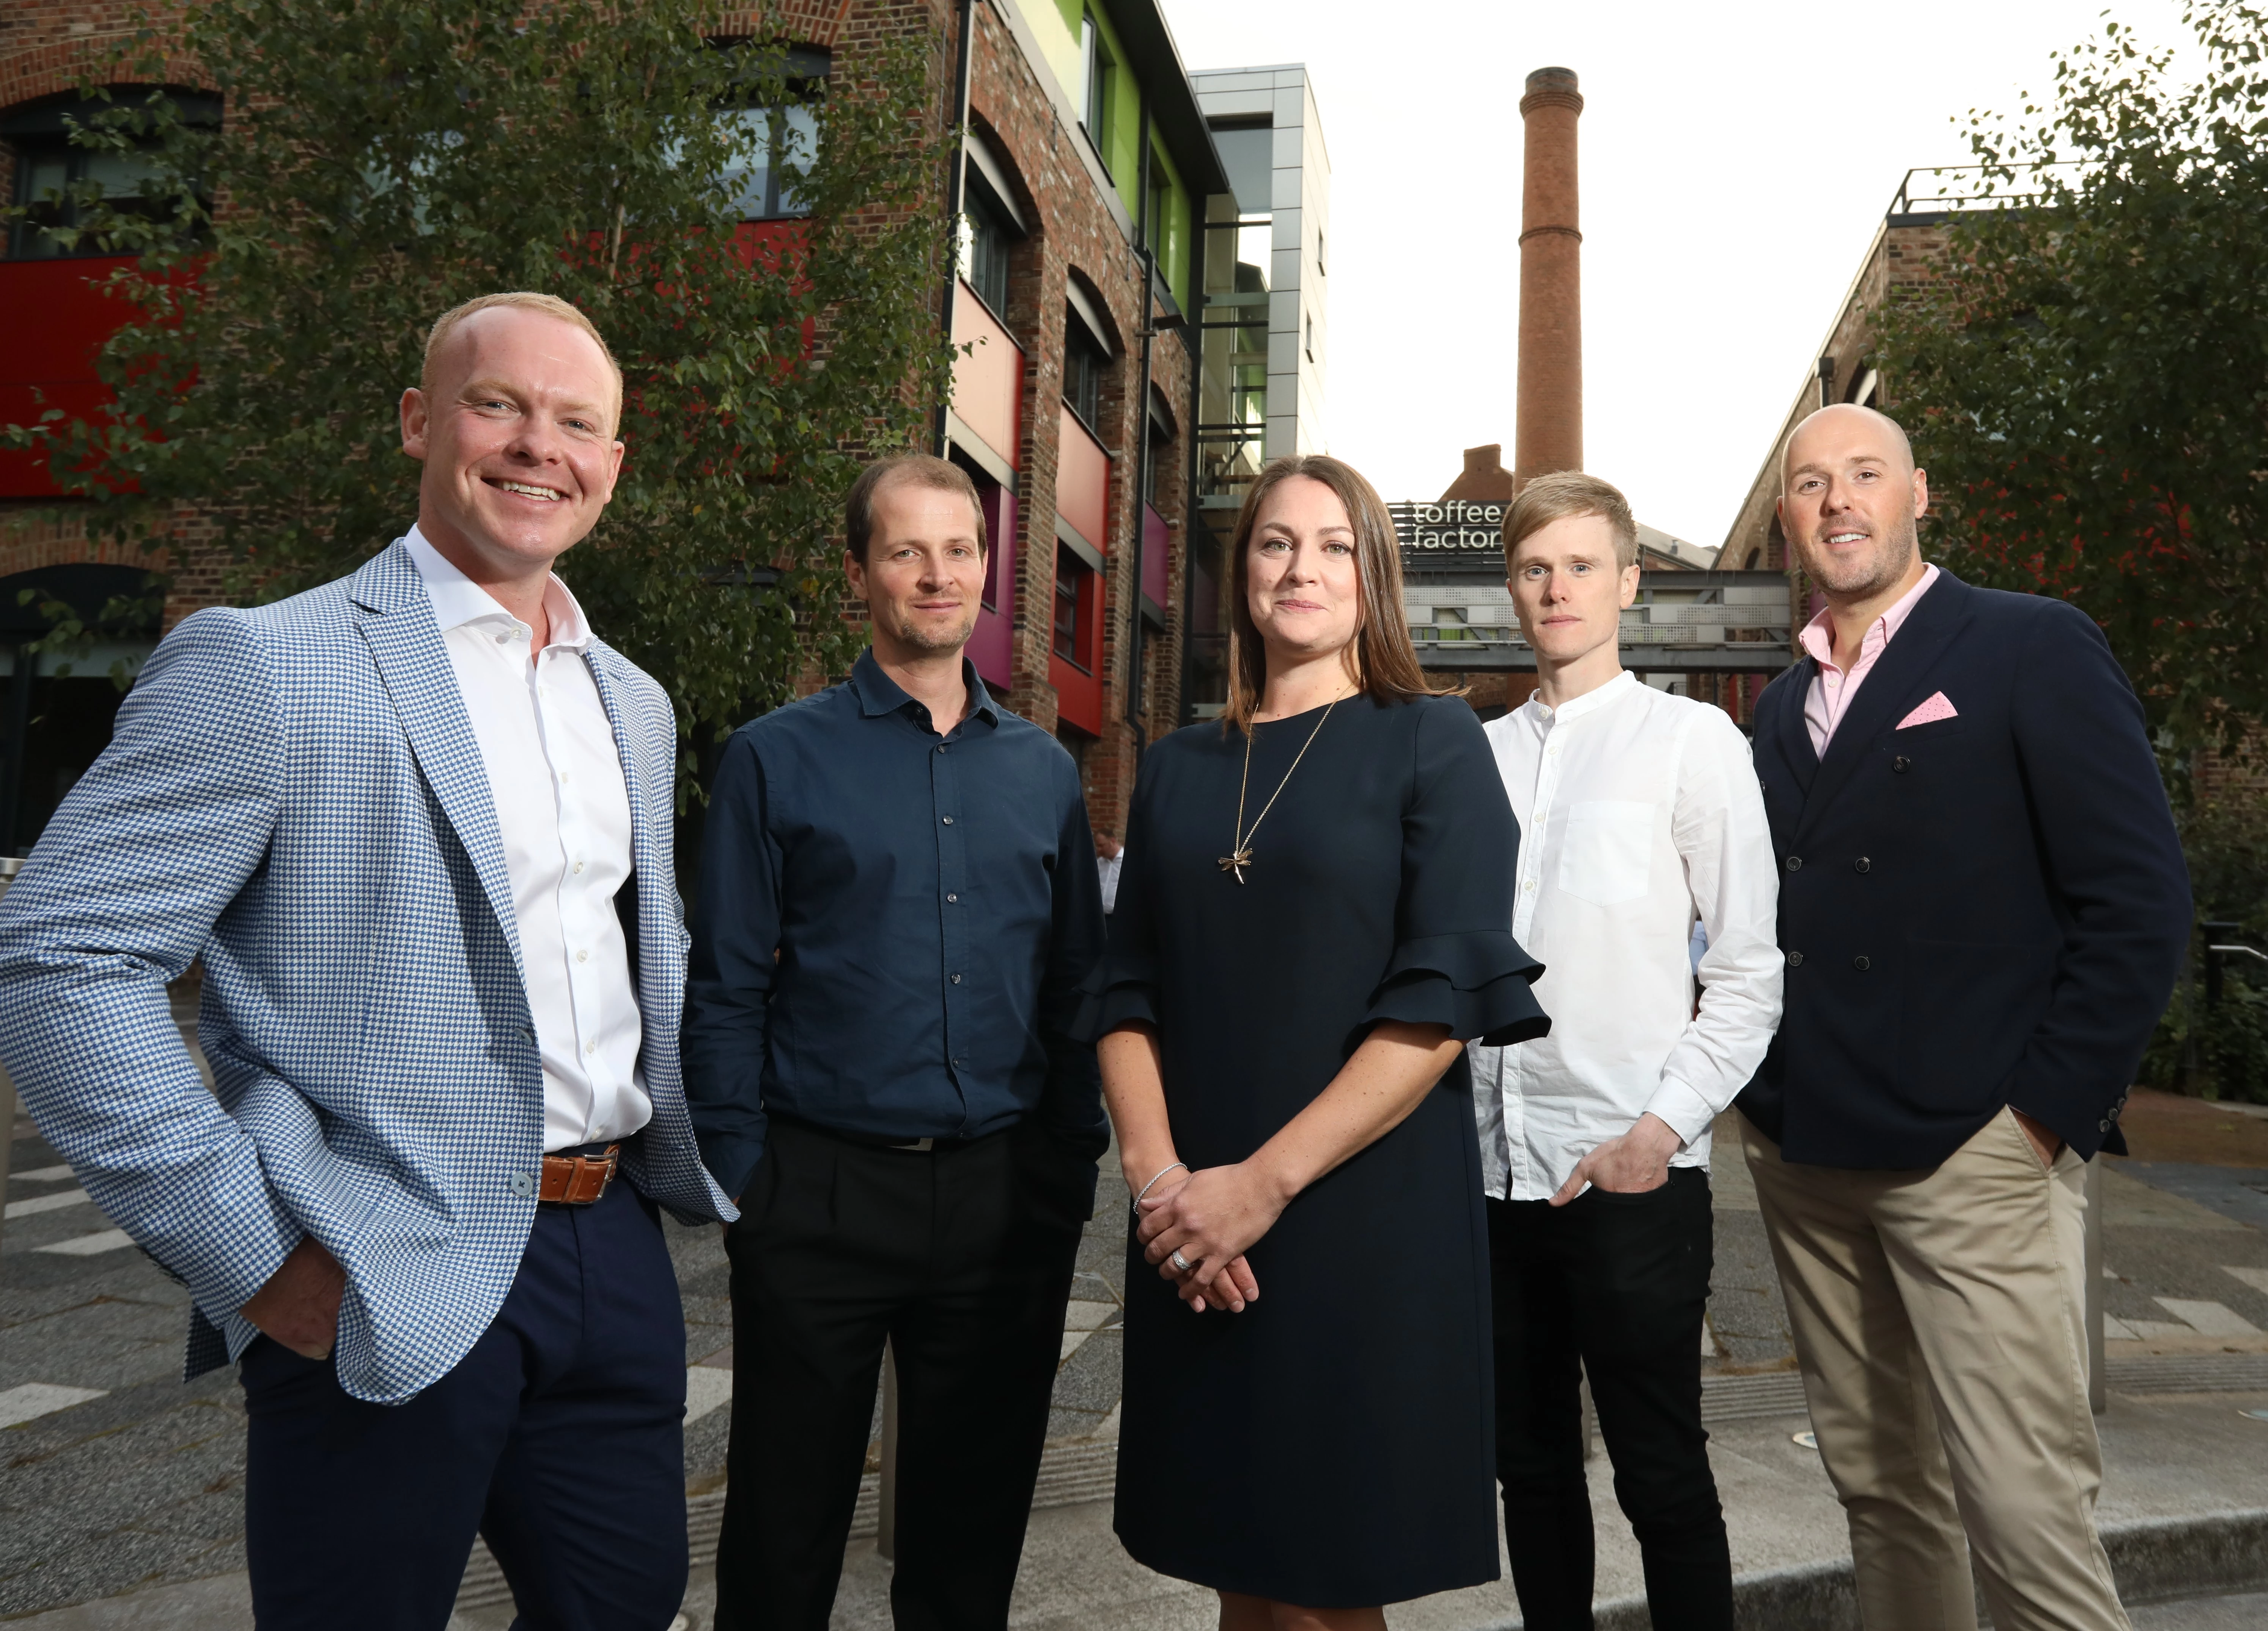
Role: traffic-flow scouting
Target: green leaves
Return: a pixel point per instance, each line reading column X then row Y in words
column 2089, row 383
column 383, row 159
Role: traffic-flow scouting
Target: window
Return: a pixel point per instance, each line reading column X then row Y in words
column 1074, row 620
column 1320, row 272
column 1084, row 363
column 780, row 137
column 1248, row 153
column 985, row 262
column 1096, row 69
column 1311, row 337
column 56, row 178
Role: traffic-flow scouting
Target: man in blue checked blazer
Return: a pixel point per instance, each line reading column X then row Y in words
column 417, row 823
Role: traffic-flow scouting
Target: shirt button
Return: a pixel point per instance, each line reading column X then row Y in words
column 1529, row 884
column 948, row 821
column 1861, row 964
column 953, row 897
column 1795, row 863
column 1795, row 959
column 590, row 1047
column 578, row 866
column 956, row 979
column 582, row 956
column 562, row 775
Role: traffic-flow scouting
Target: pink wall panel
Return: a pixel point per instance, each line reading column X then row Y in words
column 1083, row 483
column 988, row 383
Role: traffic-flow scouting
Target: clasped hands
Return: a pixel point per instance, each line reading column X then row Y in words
column 1211, row 1218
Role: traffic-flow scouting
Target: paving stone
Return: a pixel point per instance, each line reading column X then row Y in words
column 1089, row 1379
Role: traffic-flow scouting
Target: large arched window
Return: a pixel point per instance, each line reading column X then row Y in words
column 59, row 176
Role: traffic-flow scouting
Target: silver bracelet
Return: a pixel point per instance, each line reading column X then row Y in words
column 1135, row 1204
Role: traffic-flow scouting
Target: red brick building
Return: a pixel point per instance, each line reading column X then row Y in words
column 1085, row 169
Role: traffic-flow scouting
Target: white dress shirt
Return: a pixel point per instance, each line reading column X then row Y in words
column 563, row 813
column 1640, row 813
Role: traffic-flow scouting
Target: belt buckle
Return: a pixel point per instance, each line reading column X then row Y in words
column 919, row 1146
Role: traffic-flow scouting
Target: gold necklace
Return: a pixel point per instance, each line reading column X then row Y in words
column 1241, row 857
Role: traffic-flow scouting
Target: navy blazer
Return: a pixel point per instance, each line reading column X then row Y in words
column 1985, row 910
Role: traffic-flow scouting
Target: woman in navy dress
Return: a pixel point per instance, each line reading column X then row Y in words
column 1314, row 918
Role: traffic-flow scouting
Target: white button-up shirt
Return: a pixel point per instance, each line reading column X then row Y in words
column 1638, row 812
column 563, row 813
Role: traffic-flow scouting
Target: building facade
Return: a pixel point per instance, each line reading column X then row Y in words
column 1085, row 173
column 1264, row 328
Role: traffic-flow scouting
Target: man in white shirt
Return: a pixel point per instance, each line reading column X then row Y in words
column 1640, row 816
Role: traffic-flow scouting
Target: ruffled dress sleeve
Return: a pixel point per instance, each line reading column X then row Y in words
column 1454, row 962
column 1122, row 986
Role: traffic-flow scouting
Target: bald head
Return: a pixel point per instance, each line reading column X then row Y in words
column 1841, row 423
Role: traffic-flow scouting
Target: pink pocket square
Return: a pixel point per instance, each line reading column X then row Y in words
column 1936, row 709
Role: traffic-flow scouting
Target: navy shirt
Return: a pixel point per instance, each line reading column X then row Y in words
column 891, row 927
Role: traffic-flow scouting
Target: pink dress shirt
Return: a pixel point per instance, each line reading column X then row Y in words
column 1833, row 688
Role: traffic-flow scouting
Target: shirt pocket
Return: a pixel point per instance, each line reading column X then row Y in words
column 1607, row 857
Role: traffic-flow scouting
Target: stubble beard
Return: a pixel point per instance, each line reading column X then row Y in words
column 1856, row 580
column 931, row 640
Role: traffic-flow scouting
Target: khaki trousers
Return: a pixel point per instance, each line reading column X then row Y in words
column 1939, row 1317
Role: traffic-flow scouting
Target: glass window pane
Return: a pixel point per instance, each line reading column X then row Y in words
column 749, row 180
column 1249, row 155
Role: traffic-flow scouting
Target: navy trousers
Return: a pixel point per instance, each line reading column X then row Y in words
column 559, row 1439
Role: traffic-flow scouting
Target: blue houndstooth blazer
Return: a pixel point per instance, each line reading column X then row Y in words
column 295, row 793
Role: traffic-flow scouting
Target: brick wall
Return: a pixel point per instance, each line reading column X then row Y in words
column 45, row 44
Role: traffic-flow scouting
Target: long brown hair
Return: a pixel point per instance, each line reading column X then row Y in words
column 1380, row 658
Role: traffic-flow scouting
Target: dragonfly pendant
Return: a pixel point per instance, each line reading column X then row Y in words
column 1237, row 862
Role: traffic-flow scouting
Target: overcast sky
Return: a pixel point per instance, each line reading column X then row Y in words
column 1736, row 158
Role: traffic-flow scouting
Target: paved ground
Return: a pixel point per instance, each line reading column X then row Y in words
column 118, row 1482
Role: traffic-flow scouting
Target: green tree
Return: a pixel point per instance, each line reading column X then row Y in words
column 382, row 160
column 2089, row 383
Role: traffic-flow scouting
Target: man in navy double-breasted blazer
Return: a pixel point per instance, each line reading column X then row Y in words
column 1983, row 906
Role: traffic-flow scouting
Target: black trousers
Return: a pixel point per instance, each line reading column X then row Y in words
column 962, row 1258
column 1613, row 1286
column 560, row 1439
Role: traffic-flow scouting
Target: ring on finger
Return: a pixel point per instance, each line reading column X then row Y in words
column 1181, row 1262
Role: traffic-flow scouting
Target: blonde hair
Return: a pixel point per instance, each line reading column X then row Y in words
column 1380, row 658
column 1563, row 496
column 526, row 299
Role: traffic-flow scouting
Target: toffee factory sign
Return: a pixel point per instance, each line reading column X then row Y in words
column 1450, row 534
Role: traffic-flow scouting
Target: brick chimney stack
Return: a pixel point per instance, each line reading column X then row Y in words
column 1549, row 427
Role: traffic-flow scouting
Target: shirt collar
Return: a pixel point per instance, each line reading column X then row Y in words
column 458, row 600
column 1818, row 635
column 878, row 693
column 1590, row 702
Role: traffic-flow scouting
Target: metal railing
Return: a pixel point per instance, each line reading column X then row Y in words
column 1949, row 189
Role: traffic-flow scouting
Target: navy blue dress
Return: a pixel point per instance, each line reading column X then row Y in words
column 1332, row 1446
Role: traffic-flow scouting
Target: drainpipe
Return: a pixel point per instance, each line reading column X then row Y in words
column 955, row 180
column 1146, row 260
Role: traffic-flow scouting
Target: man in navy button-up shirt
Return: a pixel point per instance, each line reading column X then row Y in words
column 898, row 900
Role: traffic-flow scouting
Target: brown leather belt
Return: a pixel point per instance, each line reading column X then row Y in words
column 578, row 1180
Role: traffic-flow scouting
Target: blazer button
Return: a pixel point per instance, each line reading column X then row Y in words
column 1795, row 959
column 1861, row 964
column 1862, row 865
column 1902, row 764
column 2102, row 1126
column 1795, row 863
column 523, row 1185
